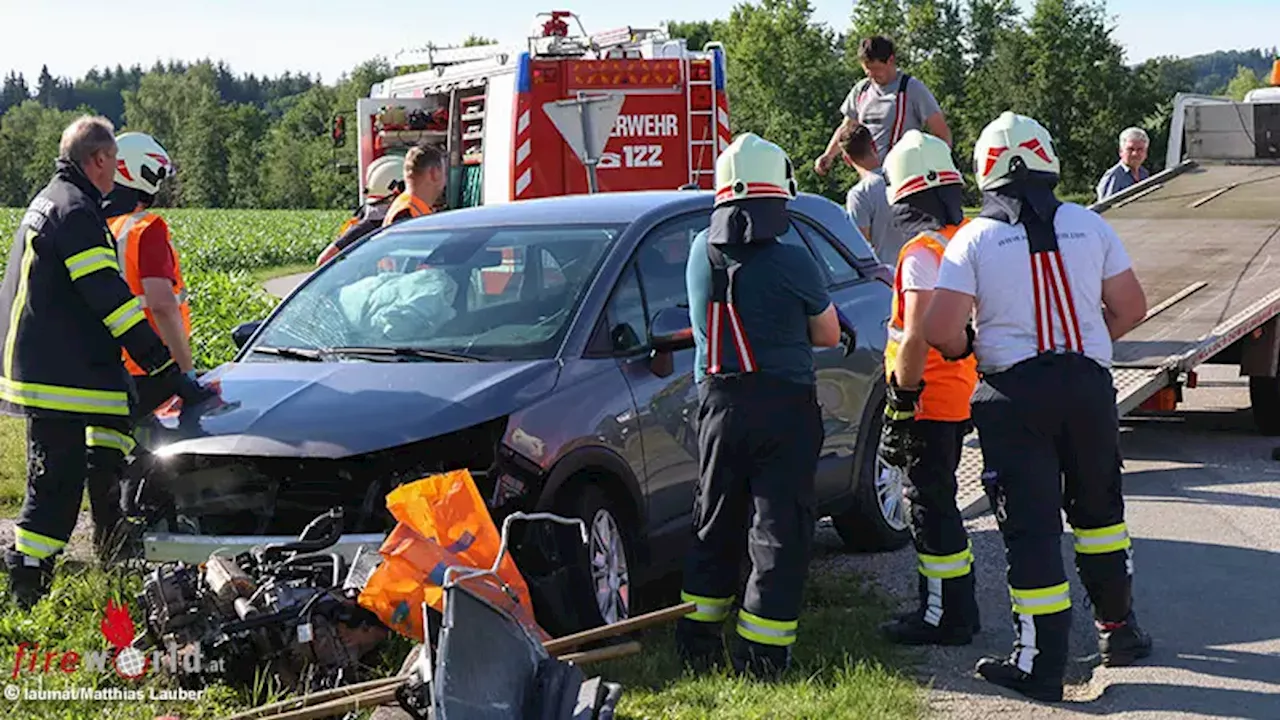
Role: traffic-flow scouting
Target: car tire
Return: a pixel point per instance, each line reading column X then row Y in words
column 1264, row 396
column 608, row 557
column 877, row 520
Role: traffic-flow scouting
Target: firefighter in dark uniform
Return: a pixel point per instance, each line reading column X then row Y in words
column 65, row 314
column 757, row 308
column 1051, row 287
column 927, row 404
column 383, row 183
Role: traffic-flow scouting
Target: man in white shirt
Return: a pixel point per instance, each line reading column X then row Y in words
column 1051, row 286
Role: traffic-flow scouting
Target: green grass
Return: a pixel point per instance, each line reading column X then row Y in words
column 842, row 669
column 13, row 466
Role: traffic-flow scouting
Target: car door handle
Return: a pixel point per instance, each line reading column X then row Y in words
column 848, row 341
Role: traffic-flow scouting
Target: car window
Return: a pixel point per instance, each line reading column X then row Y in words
column 625, row 315
column 661, row 260
column 499, row 293
column 839, row 271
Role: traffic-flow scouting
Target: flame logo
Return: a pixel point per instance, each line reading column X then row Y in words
column 117, row 626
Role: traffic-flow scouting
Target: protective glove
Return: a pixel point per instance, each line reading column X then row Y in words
column 192, row 392
column 969, row 334
column 900, row 446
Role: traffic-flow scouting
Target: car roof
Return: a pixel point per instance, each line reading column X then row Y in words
column 614, row 208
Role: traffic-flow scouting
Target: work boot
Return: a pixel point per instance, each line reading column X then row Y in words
column 700, row 645
column 1122, row 643
column 760, row 661
column 911, row 629
column 1003, row 672
column 909, row 614
column 29, row 578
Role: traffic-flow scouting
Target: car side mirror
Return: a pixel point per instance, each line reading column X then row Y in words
column 671, row 330
column 242, row 332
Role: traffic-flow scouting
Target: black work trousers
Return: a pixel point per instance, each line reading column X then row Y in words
column 1050, row 442
column 66, row 454
column 759, row 438
column 945, row 558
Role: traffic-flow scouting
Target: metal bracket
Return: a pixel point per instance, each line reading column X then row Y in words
column 454, row 575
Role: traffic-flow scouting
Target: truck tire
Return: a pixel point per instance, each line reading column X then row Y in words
column 877, row 520
column 1264, row 395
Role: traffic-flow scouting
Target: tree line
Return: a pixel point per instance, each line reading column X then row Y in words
column 243, row 141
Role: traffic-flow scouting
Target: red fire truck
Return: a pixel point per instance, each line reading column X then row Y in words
column 486, row 106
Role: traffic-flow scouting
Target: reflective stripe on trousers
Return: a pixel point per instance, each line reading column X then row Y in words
column 779, row 633
column 1041, row 601
column 1099, row 541
column 102, row 437
column 945, row 567
column 34, row 544
column 709, row 610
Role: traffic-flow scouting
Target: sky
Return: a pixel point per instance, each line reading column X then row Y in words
column 330, row 37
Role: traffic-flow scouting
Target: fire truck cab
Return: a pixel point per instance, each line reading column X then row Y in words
column 486, row 107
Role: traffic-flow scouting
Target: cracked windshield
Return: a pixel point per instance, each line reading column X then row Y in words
column 487, row 294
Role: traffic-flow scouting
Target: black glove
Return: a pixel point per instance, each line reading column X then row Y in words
column 969, row 334
column 900, row 447
column 192, row 392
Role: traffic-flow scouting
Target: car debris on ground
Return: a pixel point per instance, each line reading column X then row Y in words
column 443, row 577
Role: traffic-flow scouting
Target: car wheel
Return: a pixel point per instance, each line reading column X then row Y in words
column 877, row 521
column 608, row 556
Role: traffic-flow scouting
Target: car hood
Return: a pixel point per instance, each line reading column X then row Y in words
column 340, row 409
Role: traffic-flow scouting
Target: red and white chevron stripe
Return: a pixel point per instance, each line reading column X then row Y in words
column 722, row 121
column 523, row 167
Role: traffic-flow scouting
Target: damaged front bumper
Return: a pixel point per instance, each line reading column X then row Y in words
column 160, row 547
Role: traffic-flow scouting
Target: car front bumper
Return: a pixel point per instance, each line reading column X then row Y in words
column 194, row 549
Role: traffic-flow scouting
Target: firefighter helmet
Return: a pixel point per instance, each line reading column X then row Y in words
column 1010, row 146
column 384, row 177
column 919, row 162
column 141, row 163
column 752, row 167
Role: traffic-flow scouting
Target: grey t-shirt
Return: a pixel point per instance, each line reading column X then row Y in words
column 876, row 106
column 777, row 291
column 868, row 206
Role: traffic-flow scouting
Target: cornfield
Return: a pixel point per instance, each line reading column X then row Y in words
column 219, row 250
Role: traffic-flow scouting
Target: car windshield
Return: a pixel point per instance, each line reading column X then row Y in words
column 497, row 293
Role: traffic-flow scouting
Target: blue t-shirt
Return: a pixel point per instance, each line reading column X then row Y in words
column 776, row 293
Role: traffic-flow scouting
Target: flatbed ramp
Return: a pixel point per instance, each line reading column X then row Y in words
column 1205, row 242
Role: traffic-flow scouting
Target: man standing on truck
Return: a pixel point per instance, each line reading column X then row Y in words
column 868, row 202
column 383, row 182
column 1052, row 287
column 65, row 314
column 425, row 173
column 888, row 102
column 927, row 409
column 1129, row 171
column 757, row 307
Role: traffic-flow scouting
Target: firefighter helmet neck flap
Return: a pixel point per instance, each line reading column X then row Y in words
column 754, row 181
column 925, row 187
column 142, row 164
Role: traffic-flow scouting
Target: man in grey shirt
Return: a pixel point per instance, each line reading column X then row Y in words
column 887, row 102
column 868, row 201
column 1129, row 171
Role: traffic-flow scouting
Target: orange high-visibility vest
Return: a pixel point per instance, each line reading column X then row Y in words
column 406, row 201
column 128, row 230
column 948, row 385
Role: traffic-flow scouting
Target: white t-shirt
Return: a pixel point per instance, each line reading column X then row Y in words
column 919, row 269
column 990, row 261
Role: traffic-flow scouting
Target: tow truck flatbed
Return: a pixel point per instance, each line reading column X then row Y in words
column 1204, row 238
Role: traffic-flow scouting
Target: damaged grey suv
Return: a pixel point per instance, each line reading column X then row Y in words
column 543, row 345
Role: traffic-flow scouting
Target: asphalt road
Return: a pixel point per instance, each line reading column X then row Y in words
column 282, row 286
column 1203, row 505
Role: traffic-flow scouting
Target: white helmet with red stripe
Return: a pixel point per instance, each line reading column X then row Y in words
column 141, row 163
column 917, row 162
column 752, row 167
column 1009, row 146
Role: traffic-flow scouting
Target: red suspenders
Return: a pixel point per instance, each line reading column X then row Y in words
column 721, row 312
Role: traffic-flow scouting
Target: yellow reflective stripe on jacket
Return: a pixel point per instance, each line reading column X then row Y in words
column 945, row 567
column 19, row 300
column 102, row 437
column 780, row 633
column 709, row 609
column 34, row 544
column 1041, row 601
column 1099, row 541
column 91, row 261
column 124, row 317
column 162, row 368
column 65, row 399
